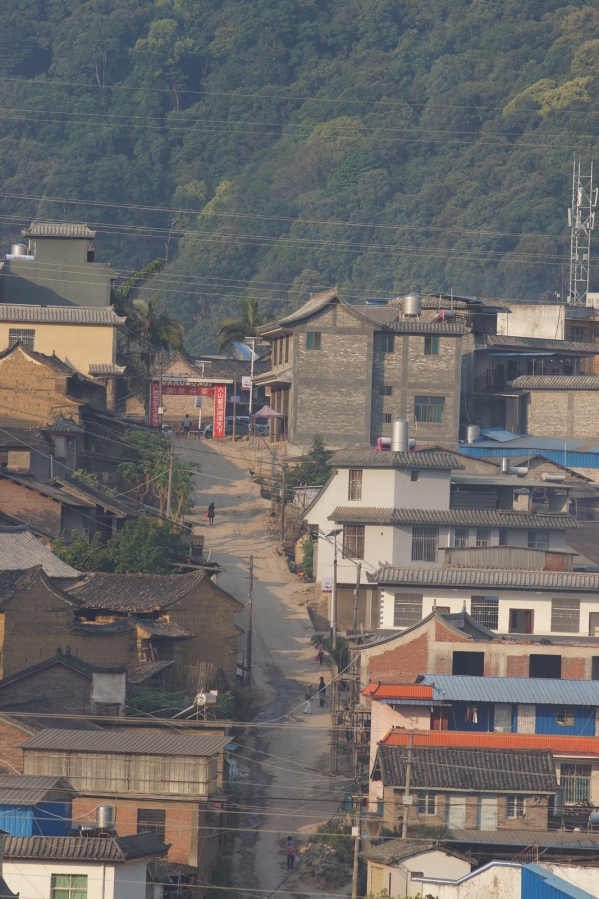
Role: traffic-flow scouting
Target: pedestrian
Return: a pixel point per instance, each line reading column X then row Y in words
column 186, row 425
column 308, row 698
column 322, row 691
column 290, row 850
column 320, row 652
column 211, row 514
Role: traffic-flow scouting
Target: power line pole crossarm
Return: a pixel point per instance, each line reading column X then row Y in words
column 407, row 799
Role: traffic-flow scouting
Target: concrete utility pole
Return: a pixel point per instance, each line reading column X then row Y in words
column 248, row 669
column 356, row 833
column 333, row 634
column 235, row 408
column 283, row 489
column 407, row 799
column 160, row 406
column 170, row 478
column 357, row 594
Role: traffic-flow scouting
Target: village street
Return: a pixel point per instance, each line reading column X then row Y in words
column 286, row 785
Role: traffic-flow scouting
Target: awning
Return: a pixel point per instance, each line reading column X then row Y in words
column 530, row 353
column 267, row 412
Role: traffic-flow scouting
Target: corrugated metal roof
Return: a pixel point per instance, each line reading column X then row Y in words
column 371, row 458
column 526, row 837
column 128, row 742
column 556, row 382
column 466, row 768
column 499, row 518
column 532, row 443
column 60, row 315
column 559, row 745
column 58, row 229
column 20, row 550
column 500, row 481
column 541, row 691
column 499, row 434
column 540, row 343
column 572, row 581
column 575, row 459
column 29, row 789
column 104, row 849
column 537, row 879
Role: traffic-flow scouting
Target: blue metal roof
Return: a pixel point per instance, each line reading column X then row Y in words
column 557, row 885
column 550, row 443
column 570, row 458
column 498, row 434
column 537, row 691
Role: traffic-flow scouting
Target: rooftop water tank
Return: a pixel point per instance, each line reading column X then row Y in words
column 400, row 436
column 412, row 304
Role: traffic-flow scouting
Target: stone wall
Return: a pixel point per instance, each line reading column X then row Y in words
column 32, row 393
column 562, row 413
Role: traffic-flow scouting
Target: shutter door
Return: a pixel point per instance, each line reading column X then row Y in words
column 526, row 719
column 376, row 878
column 487, row 813
column 456, row 810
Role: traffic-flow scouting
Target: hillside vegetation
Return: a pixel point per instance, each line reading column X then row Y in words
column 274, row 147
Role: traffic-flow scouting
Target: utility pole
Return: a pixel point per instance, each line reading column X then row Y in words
column 235, row 407
column 170, row 478
column 407, row 799
column 333, row 634
column 160, row 406
column 357, row 595
column 283, row 489
column 356, row 833
column 248, row 670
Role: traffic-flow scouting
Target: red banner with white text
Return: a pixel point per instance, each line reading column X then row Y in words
column 220, row 408
column 175, row 390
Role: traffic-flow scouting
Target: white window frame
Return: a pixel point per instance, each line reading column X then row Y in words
column 515, row 806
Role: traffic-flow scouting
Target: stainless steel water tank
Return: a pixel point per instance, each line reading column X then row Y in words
column 400, row 436
column 104, row 817
column 412, row 304
column 472, row 433
column 505, row 465
column 18, row 249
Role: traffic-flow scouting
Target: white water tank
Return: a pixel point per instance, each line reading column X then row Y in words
column 400, row 436
column 472, row 433
column 412, row 304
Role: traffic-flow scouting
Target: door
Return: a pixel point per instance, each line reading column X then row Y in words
column 487, row 812
column 377, row 884
column 512, row 369
column 455, row 816
column 522, row 621
column 594, row 624
column 503, row 718
column 526, row 719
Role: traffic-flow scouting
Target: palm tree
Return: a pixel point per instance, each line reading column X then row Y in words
column 155, row 328
column 235, row 330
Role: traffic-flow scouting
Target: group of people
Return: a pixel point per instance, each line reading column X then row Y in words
column 321, row 695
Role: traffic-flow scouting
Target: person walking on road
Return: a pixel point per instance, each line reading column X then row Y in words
column 308, row 698
column 211, row 514
column 290, row 851
column 186, row 425
column 322, row 692
column 320, row 652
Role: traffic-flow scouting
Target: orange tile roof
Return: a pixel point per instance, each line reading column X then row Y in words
column 557, row 743
column 399, row 691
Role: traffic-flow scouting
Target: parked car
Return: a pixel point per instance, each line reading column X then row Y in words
column 242, row 427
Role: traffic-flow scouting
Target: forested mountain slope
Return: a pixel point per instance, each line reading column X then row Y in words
column 273, row 147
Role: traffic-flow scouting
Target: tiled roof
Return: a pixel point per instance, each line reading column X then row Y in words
column 448, row 301
column 494, row 518
column 393, row 851
column 371, row 458
column 130, row 742
column 106, row 368
column 540, row 343
column 53, row 361
column 12, row 582
column 316, row 302
column 556, row 382
column 572, row 581
column 68, row 660
column 399, row 691
column 110, row 629
column 462, row 768
column 65, row 425
column 161, row 628
column 138, row 672
column 104, row 849
column 559, row 744
column 58, row 229
column 135, row 592
column 29, row 789
column 60, row 315
column 20, row 550
column 120, row 505
column 537, row 690
column 525, row 837
column 388, row 317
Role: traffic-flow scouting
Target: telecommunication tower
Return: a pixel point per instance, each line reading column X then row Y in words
column 581, row 219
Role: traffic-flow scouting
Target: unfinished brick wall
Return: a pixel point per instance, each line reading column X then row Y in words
column 32, row 393
column 402, row 664
column 11, row 740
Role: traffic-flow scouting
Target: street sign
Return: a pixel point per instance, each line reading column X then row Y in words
column 327, row 585
column 235, row 399
column 199, row 400
column 246, row 383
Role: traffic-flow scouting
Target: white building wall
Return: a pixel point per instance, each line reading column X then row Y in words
column 396, row 878
column 535, row 320
column 494, row 881
column 455, row 598
column 586, row 878
column 33, row 879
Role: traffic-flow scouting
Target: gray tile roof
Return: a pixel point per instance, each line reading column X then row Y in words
column 388, row 316
column 540, row 343
column 30, row 789
column 163, row 628
column 58, row 229
column 104, row 849
column 106, row 368
column 536, row 690
column 60, row 315
column 68, row 660
column 111, row 629
column 371, row 458
column 525, row 837
column 316, row 302
column 138, row 672
column 135, row 592
column 394, row 850
column 64, row 425
column 128, row 742
column 556, row 382
column 12, row 582
column 20, row 550
column 497, row 518
column 447, row 301
column 480, row 770
column 572, row 581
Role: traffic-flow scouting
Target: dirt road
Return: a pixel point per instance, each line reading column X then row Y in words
column 287, row 785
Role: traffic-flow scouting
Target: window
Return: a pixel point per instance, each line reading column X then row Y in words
column 471, row 663
column 565, row 716
column 60, row 447
column 577, row 334
column 503, row 537
column 431, row 346
column 522, row 621
column 425, row 544
column 483, row 537
column 386, row 343
column 25, row 335
column 426, row 803
column 538, row 540
column 565, row 616
column 429, row 408
column 462, row 537
column 485, row 610
column 313, row 340
column 514, row 806
column 407, row 609
column 576, row 781
column 387, row 418
column 69, row 886
column 287, row 342
column 544, row 665
column 355, row 484
column 414, row 475
column 151, row 820
column 385, row 390
column 353, row 541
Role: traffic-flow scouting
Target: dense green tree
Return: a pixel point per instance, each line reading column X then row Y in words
column 145, row 470
column 235, row 330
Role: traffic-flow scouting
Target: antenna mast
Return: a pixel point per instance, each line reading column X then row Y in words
column 581, row 219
